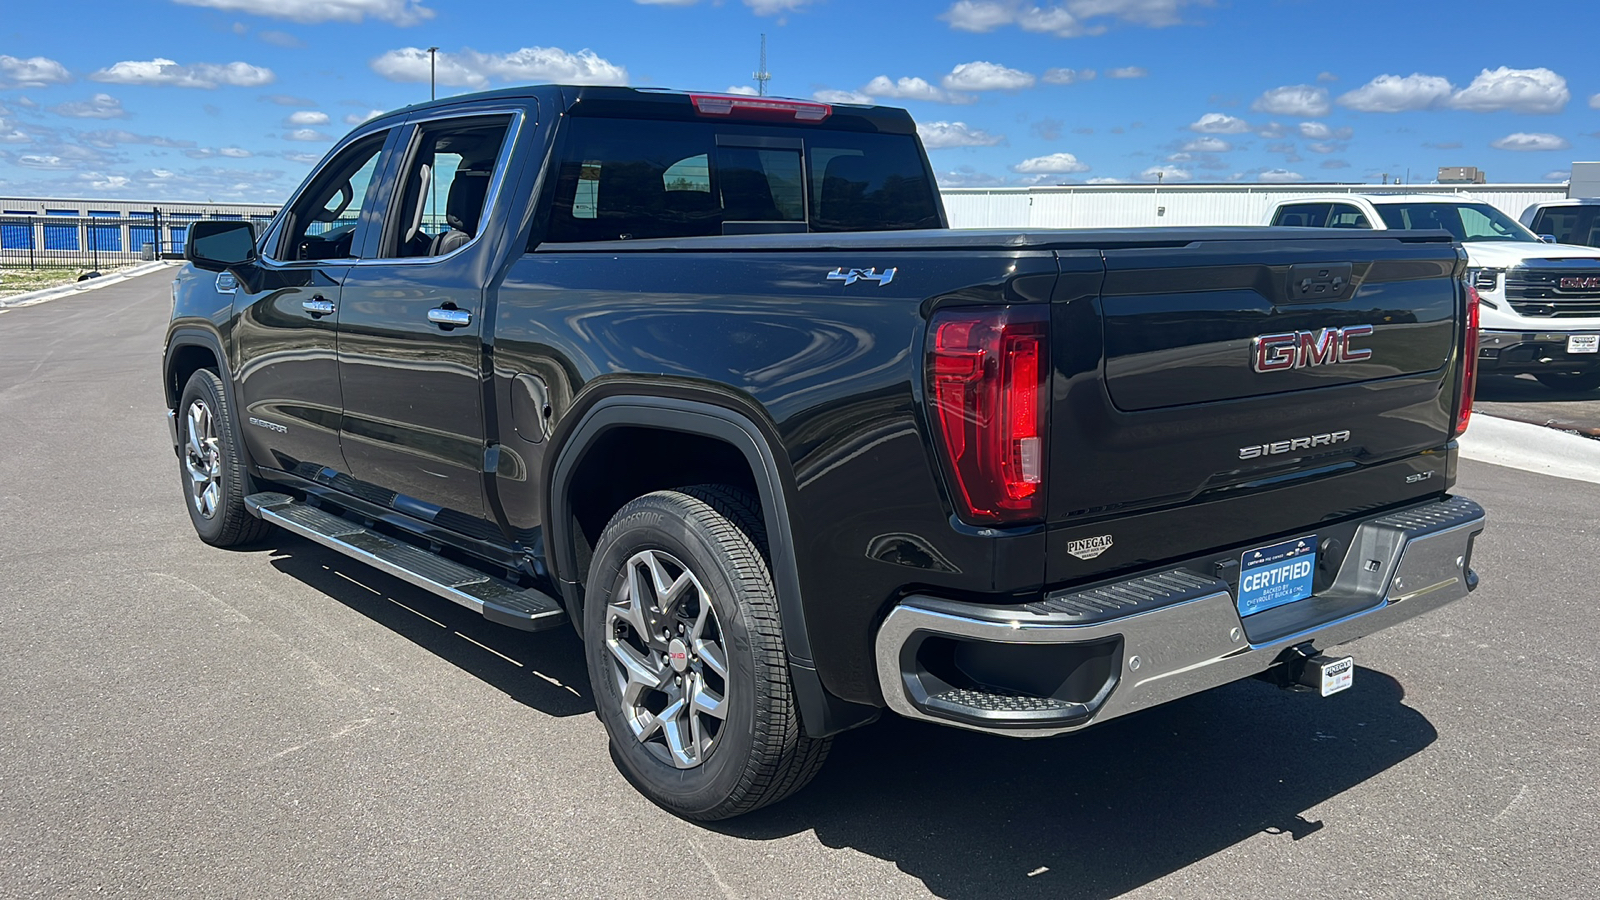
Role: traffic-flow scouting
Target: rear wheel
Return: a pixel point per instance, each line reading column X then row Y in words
column 211, row 466
column 1573, row 381
column 687, row 659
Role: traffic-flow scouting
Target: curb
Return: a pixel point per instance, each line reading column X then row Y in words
column 41, row 296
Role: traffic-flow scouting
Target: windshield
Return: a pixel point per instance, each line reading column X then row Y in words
column 1466, row 221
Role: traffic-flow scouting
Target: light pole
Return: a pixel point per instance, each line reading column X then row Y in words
column 433, row 89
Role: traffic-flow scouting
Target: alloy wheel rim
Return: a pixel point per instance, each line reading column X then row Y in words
column 668, row 659
column 202, row 457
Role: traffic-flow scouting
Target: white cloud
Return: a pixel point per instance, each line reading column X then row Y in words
column 1326, row 147
column 1325, row 77
column 742, row 90
column 100, row 106
column 307, row 117
column 287, row 100
column 1219, row 123
column 1561, row 175
column 1393, row 93
column 1166, row 174
column 1207, row 145
column 111, row 137
column 235, row 153
column 1279, row 176
column 967, row 176
column 396, row 12
column 833, row 96
column 1523, row 140
column 1594, row 102
column 1072, row 18
column 469, row 68
column 34, row 71
column 1300, row 100
column 10, row 134
column 1054, row 164
column 939, row 135
column 358, row 118
column 1128, row 72
column 911, row 89
column 1518, row 90
column 1104, row 181
column 1321, row 131
column 160, row 71
column 304, row 159
column 1272, row 131
column 1066, row 76
column 986, row 76
column 306, row 134
column 775, row 7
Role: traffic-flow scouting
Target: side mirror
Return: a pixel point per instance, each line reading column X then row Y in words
column 219, row 244
column 1548, row 238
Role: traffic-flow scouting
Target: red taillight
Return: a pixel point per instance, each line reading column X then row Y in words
column 987, row 375
column 742, row 107
column 1469, row 363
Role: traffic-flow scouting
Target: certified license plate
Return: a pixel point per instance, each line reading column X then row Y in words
column 1583, row 343
column 1275, row 575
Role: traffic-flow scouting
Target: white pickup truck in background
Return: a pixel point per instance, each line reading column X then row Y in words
column 1540, row 309
column 1575, row 221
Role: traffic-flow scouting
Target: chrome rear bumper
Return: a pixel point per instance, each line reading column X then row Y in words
column 1159, row 637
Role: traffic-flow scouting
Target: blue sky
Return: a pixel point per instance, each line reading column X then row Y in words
column 236, row 99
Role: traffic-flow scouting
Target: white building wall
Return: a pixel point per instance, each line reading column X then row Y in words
column 1130, row 205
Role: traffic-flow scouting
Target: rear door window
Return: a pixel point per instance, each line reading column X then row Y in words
column 1303, row 215
column 1343, row 215
column 632, row 179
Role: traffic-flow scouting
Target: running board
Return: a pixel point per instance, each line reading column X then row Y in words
column 499, row 601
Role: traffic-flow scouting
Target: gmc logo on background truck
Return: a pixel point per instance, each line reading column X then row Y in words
column 1299, row 349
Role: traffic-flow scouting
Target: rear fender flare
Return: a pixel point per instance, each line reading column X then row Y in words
column 698, row 417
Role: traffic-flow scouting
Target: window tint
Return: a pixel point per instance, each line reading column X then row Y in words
column 1347, row 216
column 1570, row 224
column 321, row 224
column 621, row 180
column 1303, row 215
column 1465, row 222
column 444, row 189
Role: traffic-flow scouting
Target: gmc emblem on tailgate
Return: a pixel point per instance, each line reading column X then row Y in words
column 1579, row 283
column 1299, row 349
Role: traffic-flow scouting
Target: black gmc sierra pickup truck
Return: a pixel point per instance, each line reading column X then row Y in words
column 709, row 378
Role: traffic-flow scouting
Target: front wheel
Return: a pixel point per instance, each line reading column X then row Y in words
column 211, row 466
column 1569, row 381
column 687, row 659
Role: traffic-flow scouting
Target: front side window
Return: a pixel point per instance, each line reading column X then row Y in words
column 1465, row 221
column 321, row 223
column 629, row 180
column 444, row 190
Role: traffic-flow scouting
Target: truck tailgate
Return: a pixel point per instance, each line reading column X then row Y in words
column 1211, row 383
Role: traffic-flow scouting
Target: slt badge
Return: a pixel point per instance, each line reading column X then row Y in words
column 854, row 275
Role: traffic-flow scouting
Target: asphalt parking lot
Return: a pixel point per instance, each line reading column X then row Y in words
column 1523, row 399
column 177, row 720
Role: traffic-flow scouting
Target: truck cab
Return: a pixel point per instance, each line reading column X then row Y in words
column 1539, row 301
column 1575, row 221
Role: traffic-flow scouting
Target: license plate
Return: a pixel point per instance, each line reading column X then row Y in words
column 1583, row 343
column 1275, row 575
column 1338, row 675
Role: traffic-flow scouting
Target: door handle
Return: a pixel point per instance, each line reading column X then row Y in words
column 318, row 306
column 450, row 318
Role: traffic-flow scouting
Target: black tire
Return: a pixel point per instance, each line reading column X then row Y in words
column 220, row 520
column 759, row 755
column 1569, row 381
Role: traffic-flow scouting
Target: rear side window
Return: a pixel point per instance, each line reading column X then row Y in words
column 1303, row 215
column 632, row 180
column 1347, row 216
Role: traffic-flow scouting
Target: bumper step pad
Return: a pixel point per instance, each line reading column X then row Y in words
column 499, row 601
